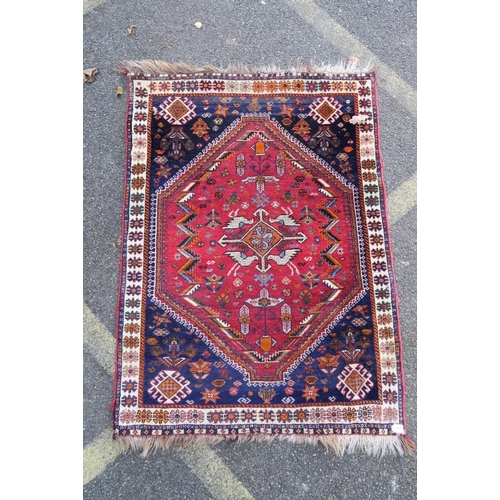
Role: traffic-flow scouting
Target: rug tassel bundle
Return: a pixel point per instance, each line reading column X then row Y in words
column 257, row 298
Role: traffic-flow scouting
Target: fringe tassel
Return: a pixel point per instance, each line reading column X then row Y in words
column 157, row 68
column 377, row 446
column 409, row 446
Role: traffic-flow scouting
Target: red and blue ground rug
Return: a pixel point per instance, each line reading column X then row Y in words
column 257, row 296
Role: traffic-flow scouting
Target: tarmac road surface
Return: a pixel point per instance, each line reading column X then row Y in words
column 257, row 33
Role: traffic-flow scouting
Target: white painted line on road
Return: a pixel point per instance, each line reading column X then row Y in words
column 402, row 199
column 98, row 455
column 89, row 5
column 214, row 474
column 339, row 37
column 98, row 340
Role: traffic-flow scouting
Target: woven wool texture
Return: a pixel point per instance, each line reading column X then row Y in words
column 257, row 296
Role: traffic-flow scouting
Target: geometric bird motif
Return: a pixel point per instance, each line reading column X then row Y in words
column 354, row 382
column 169, row 387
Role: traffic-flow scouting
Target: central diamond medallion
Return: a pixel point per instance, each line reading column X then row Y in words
column 257, row 249
column 262, row 238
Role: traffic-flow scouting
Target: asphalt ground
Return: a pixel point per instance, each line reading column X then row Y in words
column 47, row 257
column 257, row 33
column 43, row 247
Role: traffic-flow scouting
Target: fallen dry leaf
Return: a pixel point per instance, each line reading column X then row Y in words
column 131, row 30
column 198, row 25
column 89, row 75
column 119, row 91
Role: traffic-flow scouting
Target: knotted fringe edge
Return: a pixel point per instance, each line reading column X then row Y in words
column 155, row 67
column 377, row 446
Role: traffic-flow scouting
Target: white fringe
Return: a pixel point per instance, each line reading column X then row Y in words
column 377, row 446
column 157, row 68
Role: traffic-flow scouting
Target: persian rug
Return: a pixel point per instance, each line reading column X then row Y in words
column 257, row 298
